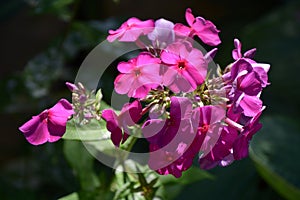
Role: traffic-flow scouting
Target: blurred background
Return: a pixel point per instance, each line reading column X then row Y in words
column 43, row 43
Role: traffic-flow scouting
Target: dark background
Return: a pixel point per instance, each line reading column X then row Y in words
column 43, row 45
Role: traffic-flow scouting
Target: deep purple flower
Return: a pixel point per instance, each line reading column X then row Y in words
column 260, row 69
column 204, row 29
column 246, row 81
column 237, row 52
column 172, row 161
column 185, row 68
column 208, row 121
column 48, row 126
column 173, row 137
column 131, row 30
column 138, row 76
column 162, row 131
column 241, row 144
column 129, row 116
column 221, row 151
column 246, row 104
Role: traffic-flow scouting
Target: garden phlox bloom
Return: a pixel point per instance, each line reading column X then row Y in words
column 138, row 76
column 117, row 124
column 131, row 30
column 48, row 126
column 204, row 29
column 185, row 67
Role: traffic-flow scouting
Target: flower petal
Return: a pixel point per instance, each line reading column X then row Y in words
column 35, row 130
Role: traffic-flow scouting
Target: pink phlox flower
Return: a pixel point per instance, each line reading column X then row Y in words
column 129, row 116
column 138, row 76
column 185, row 67
column 131, row 30
column 204, row 29
column 48, row 126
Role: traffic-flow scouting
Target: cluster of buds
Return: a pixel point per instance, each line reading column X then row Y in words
column 86, row 103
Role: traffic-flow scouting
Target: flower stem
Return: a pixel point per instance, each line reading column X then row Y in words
column 234, row 124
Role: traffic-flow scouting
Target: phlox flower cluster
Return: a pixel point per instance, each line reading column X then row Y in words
column 184, row 109
column 189, row 114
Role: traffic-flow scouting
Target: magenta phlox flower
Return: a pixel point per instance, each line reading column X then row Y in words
column 246, row 81
column 222, row 150
column 207, row 120
column 172, row 162
column 204, row 29
column 131, row 30
column 163, row 33
column 162, row 131
column 237, row 52
column 249, row 84
column 210, row 55
column 185, row 68
column 129, row 116
column 260, row 69
column 169, row 147
column 241, row 144
column 48, row 126
column 246, row 104
column 138, row 76
column 244, row 66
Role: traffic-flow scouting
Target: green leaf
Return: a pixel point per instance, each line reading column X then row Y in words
column 82, row 163
column 123, row 191
column 94, row 135
column 93, row 131
column 73, row 196
column 103, row 146
column 275, row 151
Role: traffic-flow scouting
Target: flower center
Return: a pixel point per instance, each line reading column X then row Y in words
column 204, row 128
column 181, row 64
column 137, row 73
